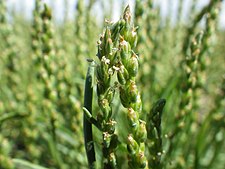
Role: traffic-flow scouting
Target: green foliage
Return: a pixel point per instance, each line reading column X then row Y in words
column 123, row 122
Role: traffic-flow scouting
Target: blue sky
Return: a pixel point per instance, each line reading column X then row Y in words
column 27, row 6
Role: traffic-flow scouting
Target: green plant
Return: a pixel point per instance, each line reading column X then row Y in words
column 140, row 59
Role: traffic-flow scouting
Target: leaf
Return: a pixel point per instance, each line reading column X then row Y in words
column 23, row 164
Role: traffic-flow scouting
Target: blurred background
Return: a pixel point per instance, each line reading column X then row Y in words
column 25, row 7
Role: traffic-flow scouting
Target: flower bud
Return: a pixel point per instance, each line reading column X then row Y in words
column 109, row 94
column 132, row 39
column 105, row 107
column 104, row 64
column 137, row 106
column 123, row 97
column 141, row 160
column 127, row 14
column 141, row 133
column 132, row 65
column 132, row 145
column 122, row 75
column 110, row 126
column 125, row 50
column 115, row 29
column 100, row 52
column 132, row 91
column 107, row 35
column 109, row 49
column 106, row 139
column 132, row 118
column 112, row 160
